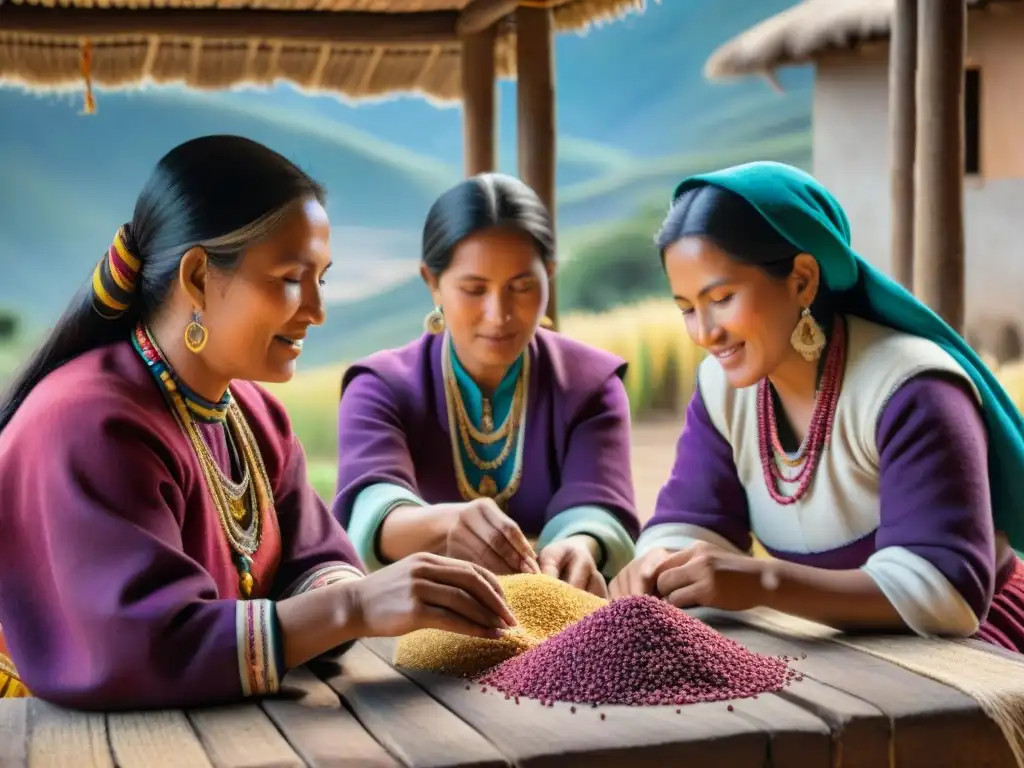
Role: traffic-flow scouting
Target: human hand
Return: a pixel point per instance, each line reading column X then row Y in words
column 640, row 576
column 481, row 533
column 429, row 591
column 573, row 561
column 710, row 576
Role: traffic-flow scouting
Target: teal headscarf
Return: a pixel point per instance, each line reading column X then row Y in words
column 807, row 215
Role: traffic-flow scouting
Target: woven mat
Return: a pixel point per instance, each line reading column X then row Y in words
column 994, row 681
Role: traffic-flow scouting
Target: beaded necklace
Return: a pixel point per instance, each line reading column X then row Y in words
column 463, row 432
column 819, row 434
column 241, row 506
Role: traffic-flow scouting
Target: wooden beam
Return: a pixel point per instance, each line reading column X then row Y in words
column 903, row 137
column 482, row 14
column 478, row 101
column 939, row 208
column 307, row 27
column 535, row 107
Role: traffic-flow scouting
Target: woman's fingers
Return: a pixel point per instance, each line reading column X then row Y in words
column 470, row 579
column 597, row 585
column 577, row 570
column 505, row 535
column 461, row 603
column 679, row 577
column 685, row 597
column 493, row 540
column 449, row 621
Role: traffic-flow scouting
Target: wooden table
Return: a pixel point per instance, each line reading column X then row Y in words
column 850, row 710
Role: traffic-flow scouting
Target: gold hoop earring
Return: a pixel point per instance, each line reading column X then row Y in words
column 196, row 334
column 808, row 339
column 434, row 321
column 547, row 322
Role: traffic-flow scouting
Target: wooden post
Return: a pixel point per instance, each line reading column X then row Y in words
column 535, row 107
column 939, row 208
column 478, row 103
column 903, row 137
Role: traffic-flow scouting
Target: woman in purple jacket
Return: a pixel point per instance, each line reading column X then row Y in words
column 489, row 438
column 838, row 420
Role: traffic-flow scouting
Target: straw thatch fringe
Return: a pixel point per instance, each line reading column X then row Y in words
column 47, row 62
column 336, row 6
column 994, row 680
column 799, row 34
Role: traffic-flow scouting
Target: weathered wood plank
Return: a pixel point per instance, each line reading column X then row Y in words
column 316, row 724
column 532, row 735
column 411, row 725
column 154, row 740
column 996, row 650
column 796, row 738
column 13, row 733
column 242, row 736
column 59, row 738
column 861, row 732
column 931, row 724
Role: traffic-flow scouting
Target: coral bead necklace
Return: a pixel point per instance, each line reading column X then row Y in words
column 819, row 433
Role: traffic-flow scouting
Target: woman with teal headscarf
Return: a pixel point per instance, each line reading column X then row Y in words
column 838, row 420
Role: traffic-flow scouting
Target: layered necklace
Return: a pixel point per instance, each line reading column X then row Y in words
column 464, row 434
column 241, row 506
column 805, row 461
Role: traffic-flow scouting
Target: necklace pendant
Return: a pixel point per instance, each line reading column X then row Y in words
column 245, row 584
column 487, row 418
column 488, row 487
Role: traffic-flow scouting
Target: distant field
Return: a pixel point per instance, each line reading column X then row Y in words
column 649, row 335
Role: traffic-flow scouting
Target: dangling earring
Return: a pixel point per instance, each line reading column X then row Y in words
column 808, row 339
column 195, row 334
column 547, row 322
column 434, row 321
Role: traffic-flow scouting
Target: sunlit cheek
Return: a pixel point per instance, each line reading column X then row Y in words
column 692, row 327
column 528, row 302
column 738, row 319
column 461, row 310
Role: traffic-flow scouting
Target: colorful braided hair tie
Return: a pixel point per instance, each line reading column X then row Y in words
column 115, row 278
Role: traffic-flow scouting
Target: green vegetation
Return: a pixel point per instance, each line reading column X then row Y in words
column 10, row 325
column 610, row 264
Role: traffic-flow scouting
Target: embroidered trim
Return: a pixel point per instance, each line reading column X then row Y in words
column 11, row 685
column 322, row 576
column 7, row 667
column 259, row 647
column 201, row 409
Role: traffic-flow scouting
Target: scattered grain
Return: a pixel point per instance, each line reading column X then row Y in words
column 542, row 605
column 639, row 651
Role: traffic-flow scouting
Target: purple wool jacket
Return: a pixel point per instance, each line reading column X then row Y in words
column 393, row 428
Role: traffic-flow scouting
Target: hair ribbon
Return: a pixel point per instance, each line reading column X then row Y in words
column 115, row 278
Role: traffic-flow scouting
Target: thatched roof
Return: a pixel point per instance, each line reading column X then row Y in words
column 360, row 48
column 804, row 32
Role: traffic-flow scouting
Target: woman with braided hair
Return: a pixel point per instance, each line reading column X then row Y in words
column 162, row 546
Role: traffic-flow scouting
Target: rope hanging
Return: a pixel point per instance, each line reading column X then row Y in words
column 85, row 66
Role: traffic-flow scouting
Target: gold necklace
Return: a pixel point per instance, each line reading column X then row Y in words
column 488, row 488
column 464, row 426
column 253, row 503
column 488, row 435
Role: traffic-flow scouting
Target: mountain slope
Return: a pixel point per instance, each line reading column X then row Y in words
column 634, row 114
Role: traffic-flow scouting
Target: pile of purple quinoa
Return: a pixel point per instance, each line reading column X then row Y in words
column 639, row 651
